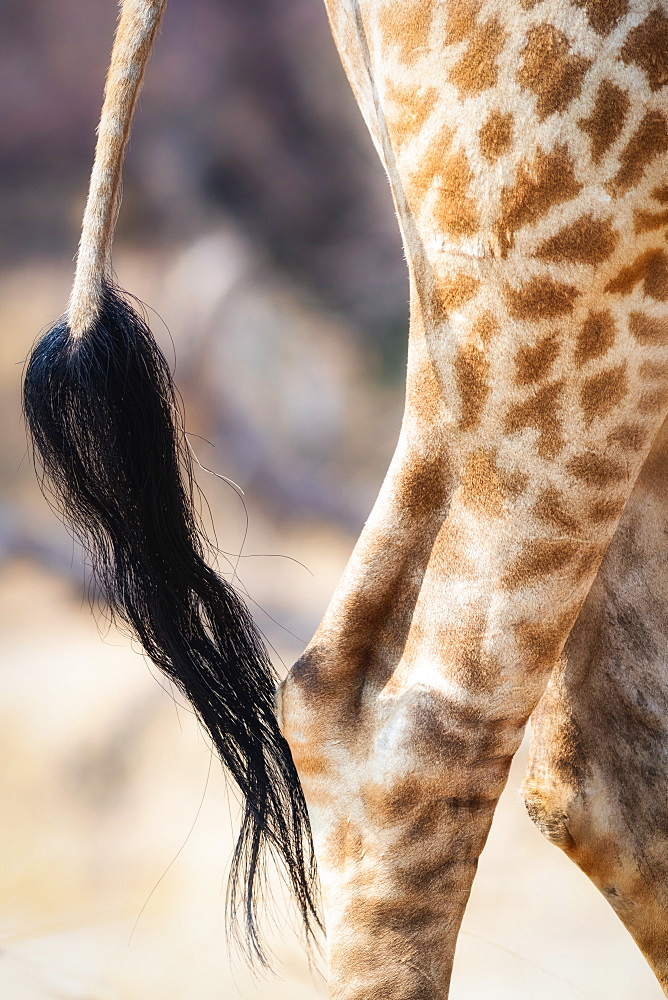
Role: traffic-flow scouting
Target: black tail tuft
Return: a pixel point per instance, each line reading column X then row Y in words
column 102, row 412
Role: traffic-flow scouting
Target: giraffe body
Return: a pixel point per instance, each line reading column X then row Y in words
column 525, row 144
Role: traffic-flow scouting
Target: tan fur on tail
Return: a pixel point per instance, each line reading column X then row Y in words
column 139, row 21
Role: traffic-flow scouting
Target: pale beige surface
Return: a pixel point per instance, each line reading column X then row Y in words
column 101, row 786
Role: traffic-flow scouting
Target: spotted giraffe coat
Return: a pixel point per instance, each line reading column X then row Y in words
column 525, row 144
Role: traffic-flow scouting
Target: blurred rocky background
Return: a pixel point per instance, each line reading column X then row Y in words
column 258, row 225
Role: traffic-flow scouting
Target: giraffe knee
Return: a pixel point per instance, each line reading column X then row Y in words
column 549, row 805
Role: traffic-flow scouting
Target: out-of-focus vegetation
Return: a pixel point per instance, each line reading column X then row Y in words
column 255, row 218
column 258, row 225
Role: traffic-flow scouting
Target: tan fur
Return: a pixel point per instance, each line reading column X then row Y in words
column 526, row 143
column 138, row 24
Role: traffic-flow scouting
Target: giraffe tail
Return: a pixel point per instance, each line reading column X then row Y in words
column 109, row 440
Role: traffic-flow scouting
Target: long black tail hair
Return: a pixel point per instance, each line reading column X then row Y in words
column 108, row 435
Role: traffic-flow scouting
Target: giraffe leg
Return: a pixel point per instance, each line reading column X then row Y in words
column 525, row 181
column 597, row 780
column 401, row 777
column 404, row 713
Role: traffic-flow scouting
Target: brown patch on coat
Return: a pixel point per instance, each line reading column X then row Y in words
column 423, row 391
column 312, row 765
column 373, row 618
column 648, row 330
column 595, row 337
column 455, row 211
column 589, row 561
column 647, row 222
column 603, row 15
column 602, row 511
column 647, row 47
column 602, row 392
column 606, row 121
column 307, row 672
column 429, row 167
column 549, row 70
column 463, row 646
column 546, row 181
column 380, row 920
column 454, row 546
column 411, row 109
column 654, row 370
column 496, row 135
column 551, row 508
column 542, row 642
column 651, row 267
column 654, row 401
column 539, row 412
column 482, row 484
column 391, row 804
column 585, row 241
column 440, row 733
column 373, row 621
column 660, row 194
column 484, row 328
column 471, row 369
column 515, row 483
column 423, row 487
column 452, row 292
column 649, row 140
column 406, row 25
column 532, row 363
column 477, row 69
column 540, row 298
column 461, row 20
column 344, row 844
column 539, row 558
column 654, row 474
column 629, row 437
column 596, row 471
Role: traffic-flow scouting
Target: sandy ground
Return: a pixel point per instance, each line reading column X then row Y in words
column 116, row 831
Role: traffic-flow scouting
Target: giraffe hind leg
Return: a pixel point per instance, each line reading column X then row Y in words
column 597, row 779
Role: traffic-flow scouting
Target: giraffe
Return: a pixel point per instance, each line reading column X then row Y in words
column 512, row 564
column 525, row 146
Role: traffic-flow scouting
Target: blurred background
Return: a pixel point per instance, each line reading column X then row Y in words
column 257, row 224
